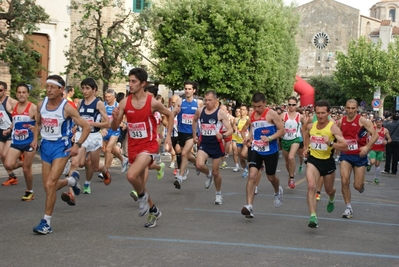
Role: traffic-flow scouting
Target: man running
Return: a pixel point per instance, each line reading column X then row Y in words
column 55, row 117
column 139, row 109
column 210, row 143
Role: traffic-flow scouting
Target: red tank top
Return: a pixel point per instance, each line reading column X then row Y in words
column 142, row 127
column 351, row 131
column 379, row 144
column 25, row 112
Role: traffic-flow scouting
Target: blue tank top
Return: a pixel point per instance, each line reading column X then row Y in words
column 21, row 133
column 109, row 109
column 261, row 127
column 90, row 113
column 210, row 126
column 186, row 116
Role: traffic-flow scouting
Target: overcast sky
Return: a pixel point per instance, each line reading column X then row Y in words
column 362, row 5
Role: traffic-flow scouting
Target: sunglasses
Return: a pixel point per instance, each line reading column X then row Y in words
column 292, row 105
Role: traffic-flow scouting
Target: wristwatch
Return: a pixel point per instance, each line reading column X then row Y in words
column 224, row 136
column 331, row 143
column 78, row 144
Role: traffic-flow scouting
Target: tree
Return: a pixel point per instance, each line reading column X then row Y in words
column 366, row 67
column 327, row 88
column 104, row 47
column 233, row 47
column 20, row 18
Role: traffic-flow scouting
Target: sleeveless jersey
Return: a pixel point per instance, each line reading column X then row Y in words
column 141, row 126
column 379, row 144
column 240, row 124
column 292, row 127
column 261, row 127
column 210, row 126
column 109, row 109
column 54, row 125
column 319, row 141
column 186, row 116
column 174, row 131
column 350, row 131
column 21, row 134
column 90, row 113
column 5, row 116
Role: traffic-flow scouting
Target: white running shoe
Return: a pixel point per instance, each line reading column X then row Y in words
column 218, row 200
column 184, row 177
column 143, row 204
column 124, row 165
column 278, row 200
column 236, row 169
column 348, row 213
column 208, row 181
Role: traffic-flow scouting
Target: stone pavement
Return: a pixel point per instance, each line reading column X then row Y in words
column 104, row 228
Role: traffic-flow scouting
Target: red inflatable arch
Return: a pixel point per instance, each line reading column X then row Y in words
column 305, row 90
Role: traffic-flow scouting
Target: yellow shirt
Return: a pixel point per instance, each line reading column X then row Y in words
column 320, row 139
column 237, row 136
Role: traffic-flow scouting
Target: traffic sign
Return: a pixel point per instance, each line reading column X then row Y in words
column 376, row 103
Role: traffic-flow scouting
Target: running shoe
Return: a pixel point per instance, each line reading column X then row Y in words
column 245, row 173
column 161, row 172
column 172, row 165
column 278, row 199
column 300, row 170
column 291, row 183
column 100, row 175
column 247, row 211
column 10, row 181
column 318, row 196
column 107, row 177
column 152, row 219
column 368, row 167
column 124, row 165
column 184, row 177
column 28, row 196
column 143, row 204
column 331, row 205
column 348, row 213
column 385, row 172
column 43, row 228
column 177, row 182
column 76, row 187
column 208, row 181
column 175, row 171
column 86, row 189
column 376, row 181
column 197, row 171
column 256, row 190
column 236, row 169
column 224, row 165
column 134, row 195
column 361, row 190
column 218, row 200
column 67, row 167
column 68, row 198
column 313, row 223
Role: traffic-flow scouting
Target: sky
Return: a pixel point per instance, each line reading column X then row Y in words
column 362, row 5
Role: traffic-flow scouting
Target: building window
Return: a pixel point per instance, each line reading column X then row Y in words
column 139, row 5
column 392, row 13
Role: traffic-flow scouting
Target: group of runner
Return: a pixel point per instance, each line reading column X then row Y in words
column 72, row 138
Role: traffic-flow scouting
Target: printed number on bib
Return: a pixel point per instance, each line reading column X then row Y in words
column 187, row 118
column 352, row 144
column 318, row 143
column 208, row 129
column 50, row 125
column 21, row 135
column 137, row 130
column 260, row 146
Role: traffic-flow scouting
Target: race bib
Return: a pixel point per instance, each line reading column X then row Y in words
column 380, row 140
column 352, row 144
column 208, row 129
column 291, row 133
column 20, row 135
column 260, row 146
column 187, row 118
column 137, row 130
column 51, row 126
column 318, row 143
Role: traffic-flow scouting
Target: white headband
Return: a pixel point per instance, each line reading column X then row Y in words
column 54, row 82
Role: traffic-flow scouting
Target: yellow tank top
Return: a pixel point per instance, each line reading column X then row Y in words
column 319, row 145
column 237, row 136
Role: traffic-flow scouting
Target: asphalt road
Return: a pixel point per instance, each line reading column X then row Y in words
column 104, row 228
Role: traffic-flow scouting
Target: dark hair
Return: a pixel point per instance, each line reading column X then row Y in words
column 120, row 96
column 140, row 73
column 293, row 98
column 152, row 89
column 58, row 78
column 194, row 84
column 22, row 85
column 158, row 97
column 68, row 89
column 258, row 97
column 4, row 85
column 322, row 103
column 90, row 82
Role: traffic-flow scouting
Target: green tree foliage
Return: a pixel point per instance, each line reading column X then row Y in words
column 233, row 47
column 21, row 18
column 327, row 88
column 104, row 46
column 365, row 67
